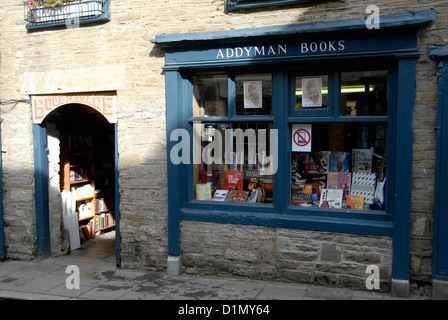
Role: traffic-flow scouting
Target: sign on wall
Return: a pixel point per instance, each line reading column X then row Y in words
column 104, row 104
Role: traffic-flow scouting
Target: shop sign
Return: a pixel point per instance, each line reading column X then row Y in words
column 104, row 104
column 271, row 50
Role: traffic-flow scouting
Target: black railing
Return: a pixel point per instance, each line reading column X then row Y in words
column 39, row 15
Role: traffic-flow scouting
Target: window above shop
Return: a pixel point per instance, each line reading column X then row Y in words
column 42, row 14
column 235, row 5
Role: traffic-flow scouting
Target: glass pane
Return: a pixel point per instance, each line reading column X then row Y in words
column 345, row 168
column 253, row 94
column 312, row 92
column 364, row 93
column 234, row 163
column 210, row 96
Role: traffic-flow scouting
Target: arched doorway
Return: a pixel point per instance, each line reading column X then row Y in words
column 76, row 169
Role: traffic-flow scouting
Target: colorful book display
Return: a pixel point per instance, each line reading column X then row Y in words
column 363, row 184
column 204, row 191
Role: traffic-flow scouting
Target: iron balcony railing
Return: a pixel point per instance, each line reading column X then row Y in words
column 39, row 14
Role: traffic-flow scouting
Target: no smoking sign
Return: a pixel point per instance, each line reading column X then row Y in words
column 301, row 137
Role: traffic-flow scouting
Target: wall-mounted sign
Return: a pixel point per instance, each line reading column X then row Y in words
column 104, row 104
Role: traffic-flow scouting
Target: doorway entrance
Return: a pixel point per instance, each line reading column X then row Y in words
column 79, row 147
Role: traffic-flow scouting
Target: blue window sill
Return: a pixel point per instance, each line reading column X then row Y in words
column 376, row 223
column 308, row 221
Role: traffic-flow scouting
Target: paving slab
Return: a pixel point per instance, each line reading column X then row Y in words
column 282, row 292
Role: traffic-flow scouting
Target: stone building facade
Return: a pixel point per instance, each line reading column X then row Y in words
column 119, row 57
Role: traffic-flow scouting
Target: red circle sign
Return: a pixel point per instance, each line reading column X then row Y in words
column 302, row 137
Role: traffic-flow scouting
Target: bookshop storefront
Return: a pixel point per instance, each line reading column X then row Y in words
column 291, row 145
column 75, row 160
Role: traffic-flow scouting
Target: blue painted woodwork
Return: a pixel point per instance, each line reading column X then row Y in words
column 170, row 41
column 41, row 194
column 394, row 46
column 402, row 170
column 41, row 190
column 117, row 202
column 440, row 235
column 174, row 121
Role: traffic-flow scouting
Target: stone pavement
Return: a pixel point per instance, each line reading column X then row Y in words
column 100, row 279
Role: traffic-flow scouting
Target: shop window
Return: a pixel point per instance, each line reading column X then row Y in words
column 341, row 163
column 253, row 94
column 210, row 96
column 234, row 151
column 342, row 169
column 335, row 121
column 364, row 93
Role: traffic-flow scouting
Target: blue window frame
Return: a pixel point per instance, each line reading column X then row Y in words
column 282, row 117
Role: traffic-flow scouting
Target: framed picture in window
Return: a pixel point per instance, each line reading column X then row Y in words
column 311, row 92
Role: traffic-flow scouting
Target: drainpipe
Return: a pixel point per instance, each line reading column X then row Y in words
column 2, row 232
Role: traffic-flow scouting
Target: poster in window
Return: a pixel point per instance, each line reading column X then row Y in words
column 253, row 94
column 312, row 92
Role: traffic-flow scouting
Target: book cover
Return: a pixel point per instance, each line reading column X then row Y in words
column 363, row 184
column 332, row 180
column 234, row 180
column 339, row 161
column 253, row 197
column 362, row 160
column 204, row 191
column 355, row 202
column 220, row 195
column 344, row 182
column 318, row 162
column 238, row 196
column 331, row 198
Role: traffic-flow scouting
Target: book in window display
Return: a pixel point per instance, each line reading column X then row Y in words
column 204, row 191
column 339, row 161
column 318, row 162
column 363, row 184
column 331, row 198
column 220, row 195
column 234, row 180
column 238, row 196
column 362, row 160
column 355, row 202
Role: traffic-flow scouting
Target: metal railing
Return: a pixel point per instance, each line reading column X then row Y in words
column 70, row 12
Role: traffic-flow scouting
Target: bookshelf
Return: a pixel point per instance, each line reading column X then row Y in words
column 83, row 174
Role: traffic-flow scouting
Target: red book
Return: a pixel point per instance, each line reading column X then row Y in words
column 234, row 180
